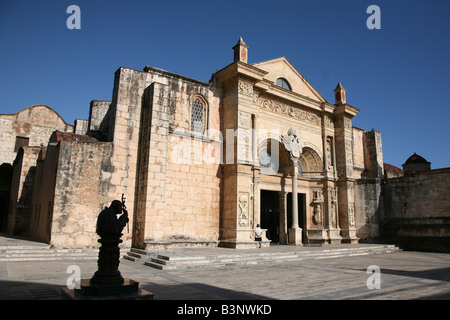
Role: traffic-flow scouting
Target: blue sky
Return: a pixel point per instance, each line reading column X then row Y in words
column 398, row 76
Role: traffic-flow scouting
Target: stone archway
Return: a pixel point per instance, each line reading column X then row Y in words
column 310, row 161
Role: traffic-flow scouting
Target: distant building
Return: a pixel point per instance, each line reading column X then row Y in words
column 22, row 136
column 391, row 171
column 415, row 164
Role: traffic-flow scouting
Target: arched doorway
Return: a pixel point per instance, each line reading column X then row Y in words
column 276, row 205
column 275, row 200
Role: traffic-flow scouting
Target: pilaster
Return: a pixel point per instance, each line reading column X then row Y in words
column 332, row 216
column 344, row 163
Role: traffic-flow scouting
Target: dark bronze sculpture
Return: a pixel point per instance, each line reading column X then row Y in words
column 109, row 228
column 107, row 282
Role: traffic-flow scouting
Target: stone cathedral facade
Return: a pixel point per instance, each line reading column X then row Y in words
column 204, row 163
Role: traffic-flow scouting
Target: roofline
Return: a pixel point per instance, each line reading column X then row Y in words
column 167, row 73
column 308, row 84
column 34, row 106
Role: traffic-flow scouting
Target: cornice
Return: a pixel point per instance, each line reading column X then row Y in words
column 346, row 109
column 241, row 69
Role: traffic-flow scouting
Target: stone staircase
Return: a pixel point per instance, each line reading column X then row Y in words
column 189, row 259
column 140, row 255
column 43, row 252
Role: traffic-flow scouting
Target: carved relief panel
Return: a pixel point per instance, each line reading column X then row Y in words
column 244, row 138
column 245, row 87
column 243, row 211
column 317, row 204
column 333, row 207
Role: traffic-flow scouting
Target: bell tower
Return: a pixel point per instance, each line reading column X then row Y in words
column 339, row 95
column 240, row 51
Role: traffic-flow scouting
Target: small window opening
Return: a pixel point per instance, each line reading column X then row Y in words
column 281, row 82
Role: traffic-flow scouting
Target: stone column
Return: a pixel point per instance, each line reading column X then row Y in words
column 294, row 145
column 295, row 232
column 294, row 197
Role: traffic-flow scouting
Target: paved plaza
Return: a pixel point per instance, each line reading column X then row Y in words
column 403, row 275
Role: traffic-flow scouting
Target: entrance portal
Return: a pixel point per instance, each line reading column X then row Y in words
column 270, row 214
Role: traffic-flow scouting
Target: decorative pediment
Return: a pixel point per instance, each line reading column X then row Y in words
column 282, row 70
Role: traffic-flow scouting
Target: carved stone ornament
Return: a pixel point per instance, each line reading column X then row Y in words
column 317, row 216
column 317, row 196
column 333, row 207
column 243, row 206
column 245, row 88
column 245, row 120
column 288, row 110
column 351, row 214
column 317, row 205
column 293, row 144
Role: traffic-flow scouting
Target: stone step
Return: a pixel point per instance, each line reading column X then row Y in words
column 138, row 255
column 37, row 247
column 26, row 251
column 48, row 258
column 168, row 262
column 220, row 259
column 348, row 251
column 174, row 260
column 46, row 253
column 213, row 263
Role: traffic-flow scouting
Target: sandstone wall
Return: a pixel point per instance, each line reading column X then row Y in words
column 21, row 190
column 69, row 202
column 99, row 119
column 417, row 210
column 368, row 208
column 150, row 111
column 41, row 212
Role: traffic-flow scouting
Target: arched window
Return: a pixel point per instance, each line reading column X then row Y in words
column 282, row 82
column 198, row 115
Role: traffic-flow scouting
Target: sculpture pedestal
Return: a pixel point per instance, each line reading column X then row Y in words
column 128, row 290
column 108, row 262
column 107, row 282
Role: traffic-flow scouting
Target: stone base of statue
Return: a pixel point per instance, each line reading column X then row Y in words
column 108, row 261
column 128, row 290
column 107, row 282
